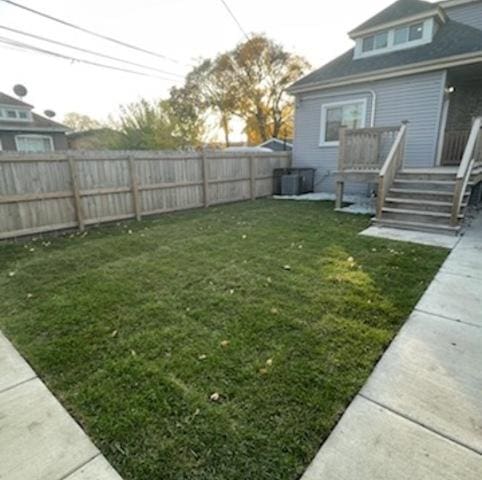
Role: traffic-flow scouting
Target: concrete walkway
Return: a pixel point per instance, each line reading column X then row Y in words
column 38, row 438
column 419, row 416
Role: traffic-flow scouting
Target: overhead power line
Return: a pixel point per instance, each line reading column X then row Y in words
column 233, row 16
column 86, row 50
column 91, row 32
column 33, row 48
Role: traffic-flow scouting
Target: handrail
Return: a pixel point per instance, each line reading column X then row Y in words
column 360, row 149
column 390, row 168
column 465, row 170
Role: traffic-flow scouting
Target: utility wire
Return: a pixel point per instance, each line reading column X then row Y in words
column 233, row 16
column 26, row 46
column 85, row 50
column 91, row 32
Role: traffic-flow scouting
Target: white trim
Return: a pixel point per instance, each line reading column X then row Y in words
column 276, row 140
column 21, row 129
column 436, row 12
column 326, row 106
column 414, row 68
column 48, row 137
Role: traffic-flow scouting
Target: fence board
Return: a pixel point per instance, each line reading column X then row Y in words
column 40, row 193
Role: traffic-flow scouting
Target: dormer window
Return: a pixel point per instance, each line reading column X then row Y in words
column 395, row 38
column 14, row 115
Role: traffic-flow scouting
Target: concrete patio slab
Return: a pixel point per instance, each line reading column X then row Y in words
column 38, row 439
column 13, row 368
column 372, row 443
column 96, row 469
column 454, row 296
column 432, row 374
column 423, row 238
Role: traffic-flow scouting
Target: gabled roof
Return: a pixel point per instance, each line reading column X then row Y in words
column 8, row 100
column 453, row 38
column 396, row 12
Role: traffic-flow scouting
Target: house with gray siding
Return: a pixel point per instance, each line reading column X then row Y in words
column 396, row 116
column 21, row 129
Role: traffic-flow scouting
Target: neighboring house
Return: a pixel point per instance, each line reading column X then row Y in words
column 278, row 144
column 415, row 62
column 95, row 139
column 23, row 130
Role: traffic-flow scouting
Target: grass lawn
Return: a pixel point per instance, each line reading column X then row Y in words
column 278, row 307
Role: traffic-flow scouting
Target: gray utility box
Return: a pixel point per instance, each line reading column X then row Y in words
column 290, row 185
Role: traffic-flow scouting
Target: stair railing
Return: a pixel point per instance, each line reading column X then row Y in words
column 465, row 170
column 392, row 165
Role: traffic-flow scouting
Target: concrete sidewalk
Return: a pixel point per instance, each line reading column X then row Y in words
column 419, row 416
column 38, row 438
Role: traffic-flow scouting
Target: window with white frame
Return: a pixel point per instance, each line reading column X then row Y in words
column 375, row 42
column 14, row 114
column 350, row 114
column 408, row 33
column 34, row 143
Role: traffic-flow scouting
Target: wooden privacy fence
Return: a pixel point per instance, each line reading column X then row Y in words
column 56, row 191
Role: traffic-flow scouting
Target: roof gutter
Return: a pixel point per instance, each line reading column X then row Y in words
column 412, row 69
column 32, row 129
column 456, row 3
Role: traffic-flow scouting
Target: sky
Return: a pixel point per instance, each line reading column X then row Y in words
column 183, row 30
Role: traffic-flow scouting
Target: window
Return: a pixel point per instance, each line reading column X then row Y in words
column 34, row 143
column 343, row 114
column 415, row 32
column 14, row 114
column 368, row 44
column 375, row 42
column 401, row 36
column 408, row 33
column 381, row 40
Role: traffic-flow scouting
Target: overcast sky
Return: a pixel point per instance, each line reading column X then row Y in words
column 182, row 29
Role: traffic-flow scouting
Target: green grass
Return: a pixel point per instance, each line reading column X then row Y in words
column 135, row 326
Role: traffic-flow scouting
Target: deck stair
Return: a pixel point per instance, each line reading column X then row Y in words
column 422, row 199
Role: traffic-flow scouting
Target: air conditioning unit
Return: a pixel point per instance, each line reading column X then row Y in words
column 290, row 185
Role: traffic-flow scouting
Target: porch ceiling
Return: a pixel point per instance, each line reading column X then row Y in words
column 465, row 74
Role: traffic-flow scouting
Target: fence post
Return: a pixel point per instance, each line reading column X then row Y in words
column 135, row 188
column 252, row 177
column 205, row 174
column 76, row 191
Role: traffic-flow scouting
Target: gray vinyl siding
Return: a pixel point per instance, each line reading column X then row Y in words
column 470, row 14
column 8, row 139
column 416, row 98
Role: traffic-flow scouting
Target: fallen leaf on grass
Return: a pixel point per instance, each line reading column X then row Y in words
column 215, row 397
column 286, row 267
column 224, row 343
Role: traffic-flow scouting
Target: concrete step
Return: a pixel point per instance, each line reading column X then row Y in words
column 417, row 216
column 420, row 205
column 423, row 185
column 417, row 226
